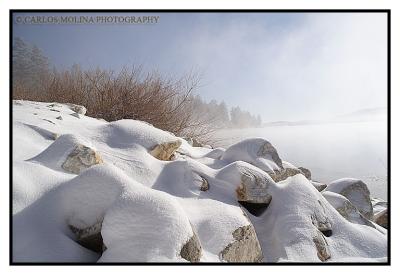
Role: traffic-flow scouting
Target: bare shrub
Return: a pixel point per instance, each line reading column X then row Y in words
column 164, row 102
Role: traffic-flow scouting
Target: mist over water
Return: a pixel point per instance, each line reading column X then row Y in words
column 331, row 150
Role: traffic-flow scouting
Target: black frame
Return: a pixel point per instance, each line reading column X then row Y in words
column 386, row 11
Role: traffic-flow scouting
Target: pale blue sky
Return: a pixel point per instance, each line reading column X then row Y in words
column 283, row 66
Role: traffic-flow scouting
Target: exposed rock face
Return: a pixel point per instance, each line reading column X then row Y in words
column 346, row 208
column 90, row 237
column 165, row 151
column 245, row 248
column 324, row 229
column 280, row 175
column 191, row 250
column 321, row 221
column 267, row 149
column 322, row 247
column 253, row 188
column 77, row 108
column 381, row 218
column 59, row 118
column 318, row 185
column 356, row 192
column 81, row 158
column 306, row 172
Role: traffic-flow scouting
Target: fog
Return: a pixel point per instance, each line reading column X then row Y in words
column 330, row 150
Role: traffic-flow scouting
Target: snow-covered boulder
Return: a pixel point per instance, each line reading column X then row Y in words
column 69, row 152
column 127, row 134
column 296, row 225
column 135, row 208
column 251, row 183
column 81, row 158
column 165, row 151
column 225, row 232
column 138, row 224
column 356, row 192
column 346, row 208
column 256, row 151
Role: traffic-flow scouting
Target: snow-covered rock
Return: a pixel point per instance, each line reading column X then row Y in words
column 287, row 232
column 356, row 192
column 251, row 183
column 346, row 208
column 256, row 151
column 135, row 208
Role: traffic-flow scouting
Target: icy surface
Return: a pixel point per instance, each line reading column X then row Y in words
column 148, row 208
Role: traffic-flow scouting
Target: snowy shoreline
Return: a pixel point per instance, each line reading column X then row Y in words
column 86, row 190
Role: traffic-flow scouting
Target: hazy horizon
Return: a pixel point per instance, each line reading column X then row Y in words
column 283, row 66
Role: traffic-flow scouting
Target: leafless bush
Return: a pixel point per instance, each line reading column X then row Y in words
column 128, row 94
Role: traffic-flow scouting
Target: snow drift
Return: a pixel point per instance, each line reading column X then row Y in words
column 85, row 190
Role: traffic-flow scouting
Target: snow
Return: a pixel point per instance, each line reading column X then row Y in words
column 150, row 208
column 329, row 150
column 248, row 150
column 287, row 232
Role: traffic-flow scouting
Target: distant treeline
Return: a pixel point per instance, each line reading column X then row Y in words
column 167, row 103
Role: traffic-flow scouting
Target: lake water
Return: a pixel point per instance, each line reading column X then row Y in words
column 331, row 151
